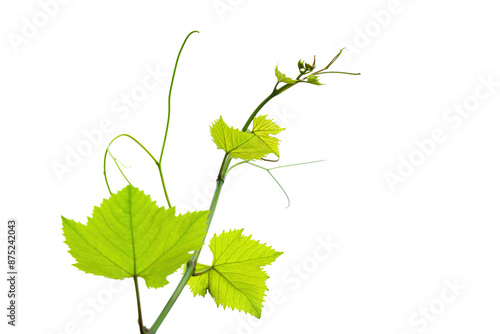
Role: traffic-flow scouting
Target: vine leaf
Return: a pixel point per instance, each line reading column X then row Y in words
column 263, row 128
column 283, row 78
column 247, row 145
column 313, row 79
column 239, row 144
column 236, row 278
column 128, row 235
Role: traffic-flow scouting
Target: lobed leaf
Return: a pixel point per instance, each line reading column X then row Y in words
column 239, row 144
column 313, row 79
column 283, row 78
column 236, row 278
column 128, row 235
column 263, row 128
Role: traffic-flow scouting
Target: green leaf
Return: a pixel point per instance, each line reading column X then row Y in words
column 128, row 235
column 283, row 78
column 239, row 144
column 313, row 79
column 236, row 279
column 263, row 128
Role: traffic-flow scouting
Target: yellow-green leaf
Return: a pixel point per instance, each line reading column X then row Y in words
column 128, row 235
column 283, row 78
column 239, row 144
column 264, row 128
column 236, row 278
column 313, row 79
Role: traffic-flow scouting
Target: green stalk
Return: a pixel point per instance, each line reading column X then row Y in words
column 191, row 265
column 224, row 169
column 139, row 310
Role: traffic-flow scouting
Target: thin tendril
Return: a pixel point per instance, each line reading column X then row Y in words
column 170, row 93
column 298, row 164
column 118, row 163
column 121, row 163
column 269, row 171
column 157, row 162
column 108, row 152
column 338, row 72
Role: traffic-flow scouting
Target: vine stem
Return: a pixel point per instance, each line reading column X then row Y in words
column 224, row 170
column 191, row 265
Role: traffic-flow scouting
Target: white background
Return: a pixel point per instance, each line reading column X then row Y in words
column 398, row 247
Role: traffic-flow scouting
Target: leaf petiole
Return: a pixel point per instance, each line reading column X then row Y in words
column 204, row 271
column 139, row 310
